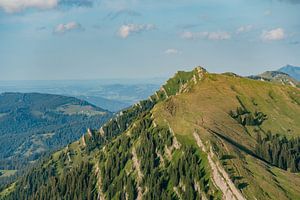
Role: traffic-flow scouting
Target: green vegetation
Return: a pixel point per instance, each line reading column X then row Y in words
column 75, row 184
column 158, row 176
column 246, row 118
column 183, row 80
column 36, row 124
column 195, row 138
column 279, row 151
column 212, row 106
column 80, row 110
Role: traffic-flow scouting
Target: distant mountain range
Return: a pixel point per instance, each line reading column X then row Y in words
column 293, row 71
column 277, row 76
column 32, row 124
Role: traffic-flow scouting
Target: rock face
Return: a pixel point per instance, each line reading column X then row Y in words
column 219, row 175
column 195, row 138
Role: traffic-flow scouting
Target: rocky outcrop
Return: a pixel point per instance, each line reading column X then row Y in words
column 219, row 175
column 140, row 175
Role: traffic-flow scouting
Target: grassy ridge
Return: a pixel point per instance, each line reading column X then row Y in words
column 205, row 109
column 149, row 150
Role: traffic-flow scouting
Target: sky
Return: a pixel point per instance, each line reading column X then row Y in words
column 102, row 39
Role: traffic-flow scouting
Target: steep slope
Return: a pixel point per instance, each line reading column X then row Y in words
column 33, row 123
column 201, row 136
column 293, row 71
column 208, row 113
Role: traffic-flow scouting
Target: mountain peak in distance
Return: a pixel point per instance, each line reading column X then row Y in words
column 291, row 70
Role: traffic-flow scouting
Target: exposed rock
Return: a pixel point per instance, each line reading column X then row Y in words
column 89, row 132
column 140, row 175
column 100, row 196
column 102, row 133
column 219, row 175
column 83, row 141
column 177, row 193
column 164, row 91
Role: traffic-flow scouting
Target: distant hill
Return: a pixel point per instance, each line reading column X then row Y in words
column 293, row 71
column 112, row 95
column 276, row 76
column 200, row 136
column 109, row 104
column 32, row 124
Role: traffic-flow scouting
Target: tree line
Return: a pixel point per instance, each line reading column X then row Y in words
column 279, row 151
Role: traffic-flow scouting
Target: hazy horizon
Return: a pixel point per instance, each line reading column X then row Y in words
column 133, row 80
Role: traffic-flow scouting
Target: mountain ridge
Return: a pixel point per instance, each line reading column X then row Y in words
column 194, row 138
column 276, row 76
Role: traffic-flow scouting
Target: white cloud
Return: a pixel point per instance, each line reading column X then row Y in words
column 127, row 29
column 71, row 26
column 172, row 51
column 244, row 29
column 274, row 34
column 220, row 35
column 12, row 6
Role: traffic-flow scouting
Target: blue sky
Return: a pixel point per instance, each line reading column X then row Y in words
column 87, row 39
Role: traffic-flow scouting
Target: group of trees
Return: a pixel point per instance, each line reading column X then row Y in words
column 119, row 124
column 189, row 170
column 184, row 171
column 115, row 181
column 279, row 151
column 273, row 148
column 160, row 175
column 44, row 183
column 246, row 118
column 18, row 138
column 52, row 179
column 32, row 138
column 78, row 182
column 15, row 148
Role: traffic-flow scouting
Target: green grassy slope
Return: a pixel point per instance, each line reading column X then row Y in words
column 205, row 109
column 184, row 142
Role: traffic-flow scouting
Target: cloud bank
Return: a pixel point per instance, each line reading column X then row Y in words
column 12, row 6
column 219, row 35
